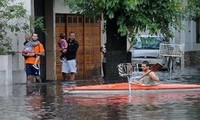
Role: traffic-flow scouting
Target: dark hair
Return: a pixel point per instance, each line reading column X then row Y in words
column 62, row 35
column 146, row 63
column 35, row 34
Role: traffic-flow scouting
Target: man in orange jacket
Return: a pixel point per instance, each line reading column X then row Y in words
column 32, row 72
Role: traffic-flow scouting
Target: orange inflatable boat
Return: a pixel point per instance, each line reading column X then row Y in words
column 124, row 88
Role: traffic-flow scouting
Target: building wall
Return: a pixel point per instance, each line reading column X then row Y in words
column 86, row 60
column 16, row 67
column 187, row 38
column 17, row 42
column 60, row 7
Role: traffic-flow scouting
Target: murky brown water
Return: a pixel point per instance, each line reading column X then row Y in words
column 47, row 102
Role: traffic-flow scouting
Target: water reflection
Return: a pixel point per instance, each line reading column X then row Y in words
column 140, row 106
column 134, row 99
column 46, row 101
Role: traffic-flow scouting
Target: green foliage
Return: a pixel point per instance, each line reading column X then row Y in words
column 14, row 19
column 9, row 14
column 194, row 9
column 135, row 16
column 36, row 23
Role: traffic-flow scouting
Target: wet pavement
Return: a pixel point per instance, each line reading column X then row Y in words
column 46, row 101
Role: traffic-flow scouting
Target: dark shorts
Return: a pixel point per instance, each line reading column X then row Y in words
column 30, row 70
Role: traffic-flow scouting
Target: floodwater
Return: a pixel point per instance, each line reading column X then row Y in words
column 47, row 102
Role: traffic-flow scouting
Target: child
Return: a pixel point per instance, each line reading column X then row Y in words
column 28, row 48
column 62, row 43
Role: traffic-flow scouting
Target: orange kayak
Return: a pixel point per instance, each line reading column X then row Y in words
column 124, row 87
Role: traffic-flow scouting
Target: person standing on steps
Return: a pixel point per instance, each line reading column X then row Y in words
column 69, row 64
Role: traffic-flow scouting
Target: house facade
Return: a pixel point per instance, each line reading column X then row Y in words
column 59, row 19
column 15, row 72
column 189, row 38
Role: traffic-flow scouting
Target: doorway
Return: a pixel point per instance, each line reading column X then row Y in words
column 88, row 34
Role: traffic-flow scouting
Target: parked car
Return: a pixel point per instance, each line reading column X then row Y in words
column 146, row 47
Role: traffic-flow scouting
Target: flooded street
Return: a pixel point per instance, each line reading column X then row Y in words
column 47, row 102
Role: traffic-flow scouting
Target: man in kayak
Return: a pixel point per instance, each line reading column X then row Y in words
column 149, row 77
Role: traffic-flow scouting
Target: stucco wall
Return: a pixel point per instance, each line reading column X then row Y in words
column 188, row 36
column 17, row 42
column 60, row 7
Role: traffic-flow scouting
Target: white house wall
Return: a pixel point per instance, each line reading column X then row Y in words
column 188, row 36
column 60, row 7
column 196, row 46
column 17, row 40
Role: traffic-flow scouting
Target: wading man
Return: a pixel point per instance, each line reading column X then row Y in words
column 30, row 58
column 69, row 64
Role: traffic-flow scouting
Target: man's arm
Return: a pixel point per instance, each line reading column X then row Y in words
column 41, row 52
column 34, row 54
column 28, row 54
column 154, row 76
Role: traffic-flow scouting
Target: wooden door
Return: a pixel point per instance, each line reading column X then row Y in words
column 60, row 28
column 92, row 43
column 88, row 34
column 75, row 23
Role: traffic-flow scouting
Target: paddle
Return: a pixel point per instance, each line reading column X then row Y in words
column 155, row 67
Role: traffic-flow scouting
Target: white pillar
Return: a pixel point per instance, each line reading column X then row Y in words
column 6, row 69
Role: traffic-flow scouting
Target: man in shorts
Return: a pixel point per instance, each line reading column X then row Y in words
column 69, row 64
column 31, row 72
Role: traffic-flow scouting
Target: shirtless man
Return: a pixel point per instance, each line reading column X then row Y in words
column 149, row 79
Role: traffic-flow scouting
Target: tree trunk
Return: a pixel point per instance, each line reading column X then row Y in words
column 115, row 52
